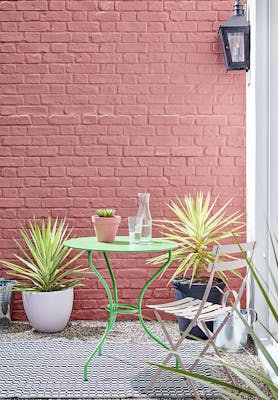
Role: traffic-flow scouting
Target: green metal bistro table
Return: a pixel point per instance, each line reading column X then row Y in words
column 121, row 245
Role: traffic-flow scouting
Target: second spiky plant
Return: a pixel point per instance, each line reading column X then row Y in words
column 198, row 226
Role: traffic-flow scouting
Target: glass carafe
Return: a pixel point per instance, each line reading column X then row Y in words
column 144, row 213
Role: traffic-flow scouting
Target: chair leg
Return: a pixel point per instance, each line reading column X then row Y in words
column 158, row 372
column 204, row 328
column 193, row 388
column 163, row 327
column 174, row 348
column 197, row 360
column 166, row 333
column 212, row 337
column 208, row 343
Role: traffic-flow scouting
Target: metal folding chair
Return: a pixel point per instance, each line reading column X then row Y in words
column 201, row 311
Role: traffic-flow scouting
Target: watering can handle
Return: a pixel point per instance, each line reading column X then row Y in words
column 226, row 295
column 251, row 312
column 253, row 315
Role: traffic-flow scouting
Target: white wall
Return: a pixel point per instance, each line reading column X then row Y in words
column 262, row 144
column 273, row 133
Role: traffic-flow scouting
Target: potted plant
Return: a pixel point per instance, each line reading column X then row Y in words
column 106, row 225
column 46, row 282
column 197, row 228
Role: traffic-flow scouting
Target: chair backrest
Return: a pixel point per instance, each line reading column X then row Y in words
column 239, row 250
column 220, row 265
column 242, row 254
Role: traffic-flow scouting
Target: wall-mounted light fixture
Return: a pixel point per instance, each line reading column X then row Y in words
column 234, row 36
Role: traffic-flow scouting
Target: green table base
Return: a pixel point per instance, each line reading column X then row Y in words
column 121, row 244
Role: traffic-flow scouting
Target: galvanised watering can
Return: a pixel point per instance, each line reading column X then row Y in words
column 233, row 336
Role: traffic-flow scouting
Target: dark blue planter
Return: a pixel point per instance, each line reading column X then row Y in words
column 196, row 290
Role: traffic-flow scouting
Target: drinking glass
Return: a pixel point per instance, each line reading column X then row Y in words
column 134, row 229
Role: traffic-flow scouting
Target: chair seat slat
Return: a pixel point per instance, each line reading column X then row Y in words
column 172, row 303
column 207, row 308
column 208, row 315
column 180, row 307
column 214, row 314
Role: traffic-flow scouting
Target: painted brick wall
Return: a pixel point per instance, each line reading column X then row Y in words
column 102, row 99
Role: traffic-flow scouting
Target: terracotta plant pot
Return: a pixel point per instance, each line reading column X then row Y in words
column 106, row 227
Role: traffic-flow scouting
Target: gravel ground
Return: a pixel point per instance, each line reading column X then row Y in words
column 122, row 330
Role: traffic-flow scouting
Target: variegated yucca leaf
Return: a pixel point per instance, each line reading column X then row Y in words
column 45, row 263
column 197, row 227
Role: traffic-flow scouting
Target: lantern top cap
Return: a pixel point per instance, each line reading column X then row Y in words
column 238, row 18
column 238, row 8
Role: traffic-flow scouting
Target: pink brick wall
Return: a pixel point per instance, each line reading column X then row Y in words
column 102, row 99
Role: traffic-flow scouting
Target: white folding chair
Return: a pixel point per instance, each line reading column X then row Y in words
column 201, row 311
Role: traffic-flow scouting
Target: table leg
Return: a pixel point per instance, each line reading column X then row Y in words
column 140, row 315
column 114, row 284
column 112, row 312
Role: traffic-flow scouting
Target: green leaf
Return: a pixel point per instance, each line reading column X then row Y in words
column 43, row 259
column 197, row 227
column 207, row 380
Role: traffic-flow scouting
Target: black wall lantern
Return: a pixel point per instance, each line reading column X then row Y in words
column 234, row 36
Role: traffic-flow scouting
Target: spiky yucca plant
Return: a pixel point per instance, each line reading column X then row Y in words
column 44, row 260
column 106, row 212
column 197, row 228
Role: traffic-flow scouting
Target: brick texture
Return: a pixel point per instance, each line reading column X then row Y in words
column 102, row 99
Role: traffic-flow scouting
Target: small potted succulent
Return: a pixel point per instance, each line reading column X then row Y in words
column 106, row 225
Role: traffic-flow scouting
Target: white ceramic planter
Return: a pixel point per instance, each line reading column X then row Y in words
column 48, row 311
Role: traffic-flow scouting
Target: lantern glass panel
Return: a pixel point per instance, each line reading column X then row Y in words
column 236, row 43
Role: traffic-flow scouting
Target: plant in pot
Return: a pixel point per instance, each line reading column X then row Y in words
column 106, row 225
column 45, row 279
column 197, row 228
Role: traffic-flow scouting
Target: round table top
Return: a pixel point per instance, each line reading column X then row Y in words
column 121, row 245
